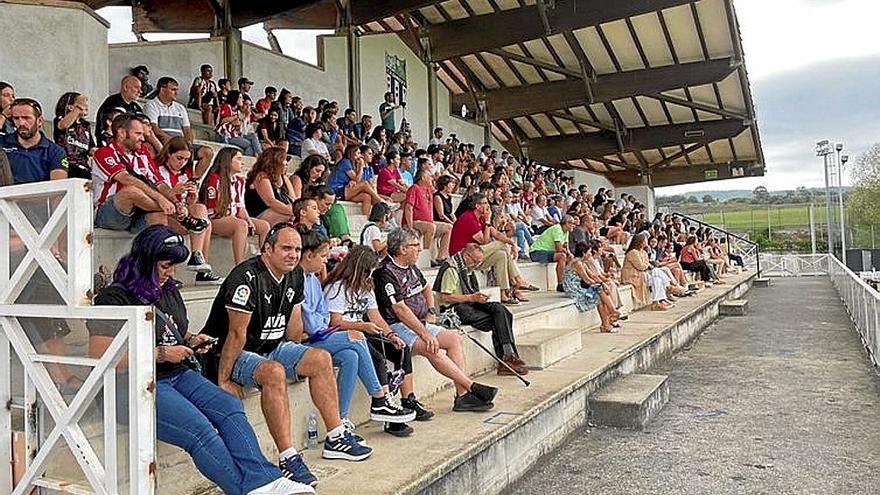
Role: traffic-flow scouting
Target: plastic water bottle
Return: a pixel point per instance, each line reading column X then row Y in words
column 312, row 432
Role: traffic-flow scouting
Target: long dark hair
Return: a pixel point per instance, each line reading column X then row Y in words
column 173, row 146
column 223, row 167
column 305, row 169
column 65, row 101
column 136, row 270
column 354, row 272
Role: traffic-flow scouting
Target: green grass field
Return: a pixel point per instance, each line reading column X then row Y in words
column 781, row 217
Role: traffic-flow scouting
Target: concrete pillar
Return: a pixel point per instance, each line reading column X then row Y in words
column 55, row 48
column 354, row 70
column 234, row 64
column 432, row 99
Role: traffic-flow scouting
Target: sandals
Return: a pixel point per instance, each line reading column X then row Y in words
column 513, row 301
column 531, row 288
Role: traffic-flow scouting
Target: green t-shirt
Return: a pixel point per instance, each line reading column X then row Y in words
column 337, row 223
column 450, row 284
column 388, row 122
column 547, row 241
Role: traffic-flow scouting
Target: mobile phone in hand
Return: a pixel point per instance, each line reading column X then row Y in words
column 206, row 343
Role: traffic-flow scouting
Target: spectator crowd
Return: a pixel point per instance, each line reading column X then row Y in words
column 316, row 296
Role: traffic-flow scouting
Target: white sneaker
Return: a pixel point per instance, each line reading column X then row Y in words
column 282, row 486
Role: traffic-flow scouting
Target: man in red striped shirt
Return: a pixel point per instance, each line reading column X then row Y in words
column 124, row 180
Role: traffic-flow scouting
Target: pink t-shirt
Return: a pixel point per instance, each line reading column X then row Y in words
column 385, row 176
column 422, row 201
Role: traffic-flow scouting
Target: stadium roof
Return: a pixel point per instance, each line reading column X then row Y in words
column 625, row 88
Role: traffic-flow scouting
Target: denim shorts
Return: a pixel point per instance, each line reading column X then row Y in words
column 289, row 354
column 542, row 256
column 108, row 216
column 410, row 337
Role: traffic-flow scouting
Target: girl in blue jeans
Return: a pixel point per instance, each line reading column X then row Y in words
column 348, row 349
column 192, row 413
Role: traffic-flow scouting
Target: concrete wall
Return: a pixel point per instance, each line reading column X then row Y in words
column 593, row 181
column 466, row 131
column 328, row 80
column 644, row 194
column 373, row 85
column 49, row 50
column 178, row 59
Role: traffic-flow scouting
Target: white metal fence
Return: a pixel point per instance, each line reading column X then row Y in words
column 64, row 406
column 793, row 265
column 862, row 303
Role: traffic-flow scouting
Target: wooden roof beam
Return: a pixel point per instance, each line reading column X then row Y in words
column 365, row 11
column 673, row 176
column 517, row 101
column 489, row 31
column 571, row 147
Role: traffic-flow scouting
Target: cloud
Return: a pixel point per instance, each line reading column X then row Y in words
column 836, row 100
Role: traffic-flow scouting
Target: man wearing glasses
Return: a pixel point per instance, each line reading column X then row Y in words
column 32, row 156
column 459, row 290
column 406, row 302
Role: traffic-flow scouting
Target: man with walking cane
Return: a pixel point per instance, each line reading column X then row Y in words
column 459, row 291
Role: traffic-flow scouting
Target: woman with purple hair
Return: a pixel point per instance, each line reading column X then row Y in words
column 192, row 413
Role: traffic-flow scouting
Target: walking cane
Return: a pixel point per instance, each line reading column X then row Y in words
column 499, row 361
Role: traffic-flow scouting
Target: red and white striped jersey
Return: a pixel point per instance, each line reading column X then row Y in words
column 171, row 178
column 110, row 160
column 236, row 195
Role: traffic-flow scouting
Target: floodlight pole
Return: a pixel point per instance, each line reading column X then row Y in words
column 823, row 149
column 841, row 161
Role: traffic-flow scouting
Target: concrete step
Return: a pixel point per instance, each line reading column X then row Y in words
column 734, row 307
column 630, row 402
column 546, row 346
column 531, row 421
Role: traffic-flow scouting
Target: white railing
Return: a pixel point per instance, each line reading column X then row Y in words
column 794, row 265
column 46, row 228
column 862, row 303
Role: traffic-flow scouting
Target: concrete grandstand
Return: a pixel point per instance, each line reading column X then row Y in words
column 623, row 96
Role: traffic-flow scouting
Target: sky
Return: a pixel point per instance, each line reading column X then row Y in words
column 814, row 66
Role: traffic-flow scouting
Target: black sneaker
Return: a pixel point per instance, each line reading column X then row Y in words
column 559, row 288
column 469, row 402
column 193, row 224
column 411, row 402
column 484, row 392
column 197, row 263
column 399, row 430
column 385, row 409
column 208, row 278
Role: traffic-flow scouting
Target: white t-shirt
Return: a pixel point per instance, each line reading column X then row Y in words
column 539, row 214
column 337, row 302
column 171, row 119
column 313, row 144
column 371, row 233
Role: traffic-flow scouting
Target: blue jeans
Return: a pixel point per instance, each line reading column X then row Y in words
column 352, row 357
column 524, row 238
column 210, row 425
column 250, row 144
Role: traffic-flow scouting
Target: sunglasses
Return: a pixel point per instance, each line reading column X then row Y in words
column 29, row 102
column 173, row 241
column 272, row 235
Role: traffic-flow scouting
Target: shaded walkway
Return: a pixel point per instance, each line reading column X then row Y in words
column 782, row 401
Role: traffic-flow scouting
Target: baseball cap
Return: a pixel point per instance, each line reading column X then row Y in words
column 244, row 80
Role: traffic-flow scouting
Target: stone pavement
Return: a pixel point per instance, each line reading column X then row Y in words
column 782, row 401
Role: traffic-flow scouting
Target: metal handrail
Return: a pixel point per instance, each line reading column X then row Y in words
column 729, row 235
column 862, row 303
